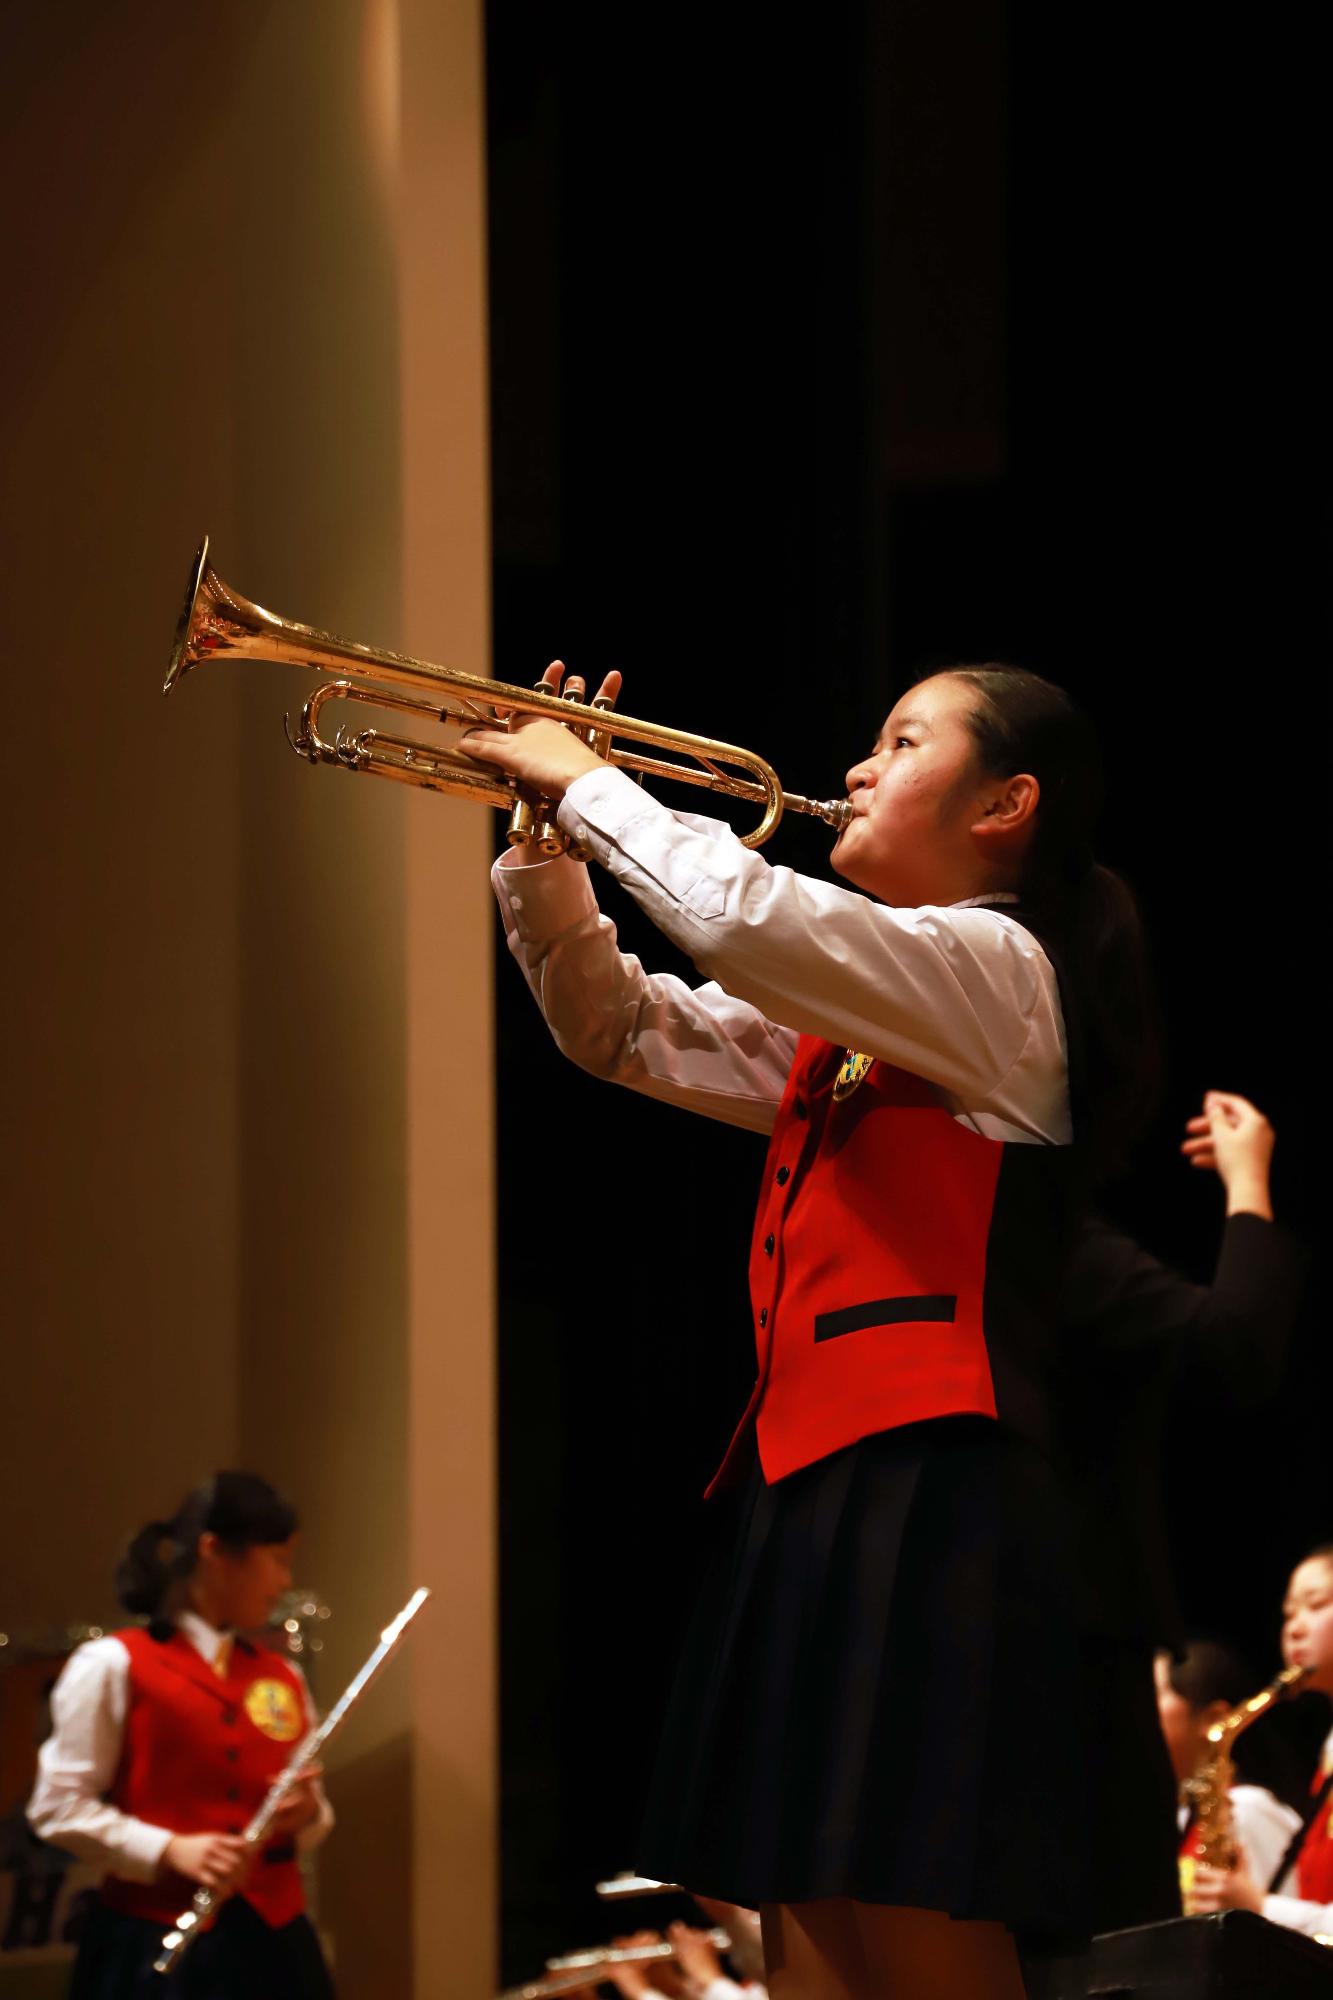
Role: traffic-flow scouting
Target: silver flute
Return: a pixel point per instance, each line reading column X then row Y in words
column 206, row 1901
column 576, row 1969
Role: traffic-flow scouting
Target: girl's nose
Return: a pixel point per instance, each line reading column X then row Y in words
column 859, row 777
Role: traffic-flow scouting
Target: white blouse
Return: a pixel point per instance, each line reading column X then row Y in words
column 962, row 996
column 76, row 1765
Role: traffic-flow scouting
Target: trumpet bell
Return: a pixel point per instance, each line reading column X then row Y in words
column 182, row 652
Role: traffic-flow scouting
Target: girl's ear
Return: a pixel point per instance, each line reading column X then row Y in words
column 1010, row 810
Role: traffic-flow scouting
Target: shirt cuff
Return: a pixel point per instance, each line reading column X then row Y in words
column 141, row 1849
column 1295, row 1914
column 603, row 803
column 540, row 899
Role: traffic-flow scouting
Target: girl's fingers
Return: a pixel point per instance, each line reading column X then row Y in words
column 1201, row 1124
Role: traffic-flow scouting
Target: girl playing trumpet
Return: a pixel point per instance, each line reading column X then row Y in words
column 939, row 1052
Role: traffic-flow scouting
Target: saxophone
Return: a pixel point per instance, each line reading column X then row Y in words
column 1208, row 1791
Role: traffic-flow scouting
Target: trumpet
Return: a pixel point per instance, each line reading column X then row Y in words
column 586, row 1968
column 217, row 623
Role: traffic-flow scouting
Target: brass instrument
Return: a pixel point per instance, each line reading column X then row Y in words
column 206, row 1902
column 1208, row 1791
column 585, row 1968
column 216, row 623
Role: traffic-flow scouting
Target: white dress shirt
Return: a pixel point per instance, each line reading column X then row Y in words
column 77, row 1764
column 1291, row 1908
column 962, row 996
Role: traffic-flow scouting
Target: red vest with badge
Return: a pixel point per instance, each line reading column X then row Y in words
column 1314, row 1865
column 200, row 1752
column 903, row 1267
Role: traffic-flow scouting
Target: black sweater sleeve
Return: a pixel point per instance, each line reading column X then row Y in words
column 1124, row 1310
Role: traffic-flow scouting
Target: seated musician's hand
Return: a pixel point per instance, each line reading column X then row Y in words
column 214, row 1860
column 642, row 1982
column 1224, row 1889
column 300, row 1808
column 696, row 1955
column 541, row 753
column 1233, row 1138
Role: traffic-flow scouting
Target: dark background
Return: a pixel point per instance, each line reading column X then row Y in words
column 826, row 348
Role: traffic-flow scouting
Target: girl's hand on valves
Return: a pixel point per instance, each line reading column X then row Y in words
column 544, row 755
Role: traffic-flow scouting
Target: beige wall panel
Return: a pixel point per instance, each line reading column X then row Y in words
column 449, row 942
column 247, row 1051
column 120, row 814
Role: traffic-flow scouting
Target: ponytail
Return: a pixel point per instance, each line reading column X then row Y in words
column 241, row 1510
column 1024, row 723
column 146, row 1571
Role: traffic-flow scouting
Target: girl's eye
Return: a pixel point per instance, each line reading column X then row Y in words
column 902, row 742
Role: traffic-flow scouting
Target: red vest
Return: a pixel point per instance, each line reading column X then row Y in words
column 199, row 1754
column 903, row 1267
column 1314, row 1864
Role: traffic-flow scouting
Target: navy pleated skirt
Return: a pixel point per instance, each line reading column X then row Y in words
column 881, row 1694
column 240, row 1958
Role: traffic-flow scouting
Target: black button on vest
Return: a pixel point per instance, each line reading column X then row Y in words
column 782, row 1176
column 763, row 1315
column 768, row 1246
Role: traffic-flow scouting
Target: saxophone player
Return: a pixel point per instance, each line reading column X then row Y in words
column 1299, row 1891
column 1193, row 1693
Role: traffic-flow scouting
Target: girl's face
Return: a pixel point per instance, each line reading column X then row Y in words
column 239, row 1589
column 918, row 799
column 1307, row 1621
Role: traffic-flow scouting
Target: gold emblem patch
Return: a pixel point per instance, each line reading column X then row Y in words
column 854, row 1071
column 274, row 1710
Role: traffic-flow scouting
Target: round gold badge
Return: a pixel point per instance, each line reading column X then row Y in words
column 855, row 1069
column 274, row 1710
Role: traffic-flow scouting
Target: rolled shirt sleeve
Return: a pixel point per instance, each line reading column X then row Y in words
column 77, row 1764
column 700, row 1048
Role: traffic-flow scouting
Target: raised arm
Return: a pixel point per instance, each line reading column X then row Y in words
column 697, row 1048
column 1123, row 1305
column 964, row 997
column 961, row 996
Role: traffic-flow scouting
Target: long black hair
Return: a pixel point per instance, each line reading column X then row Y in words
column 240, row 1509
column 1023, row 723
